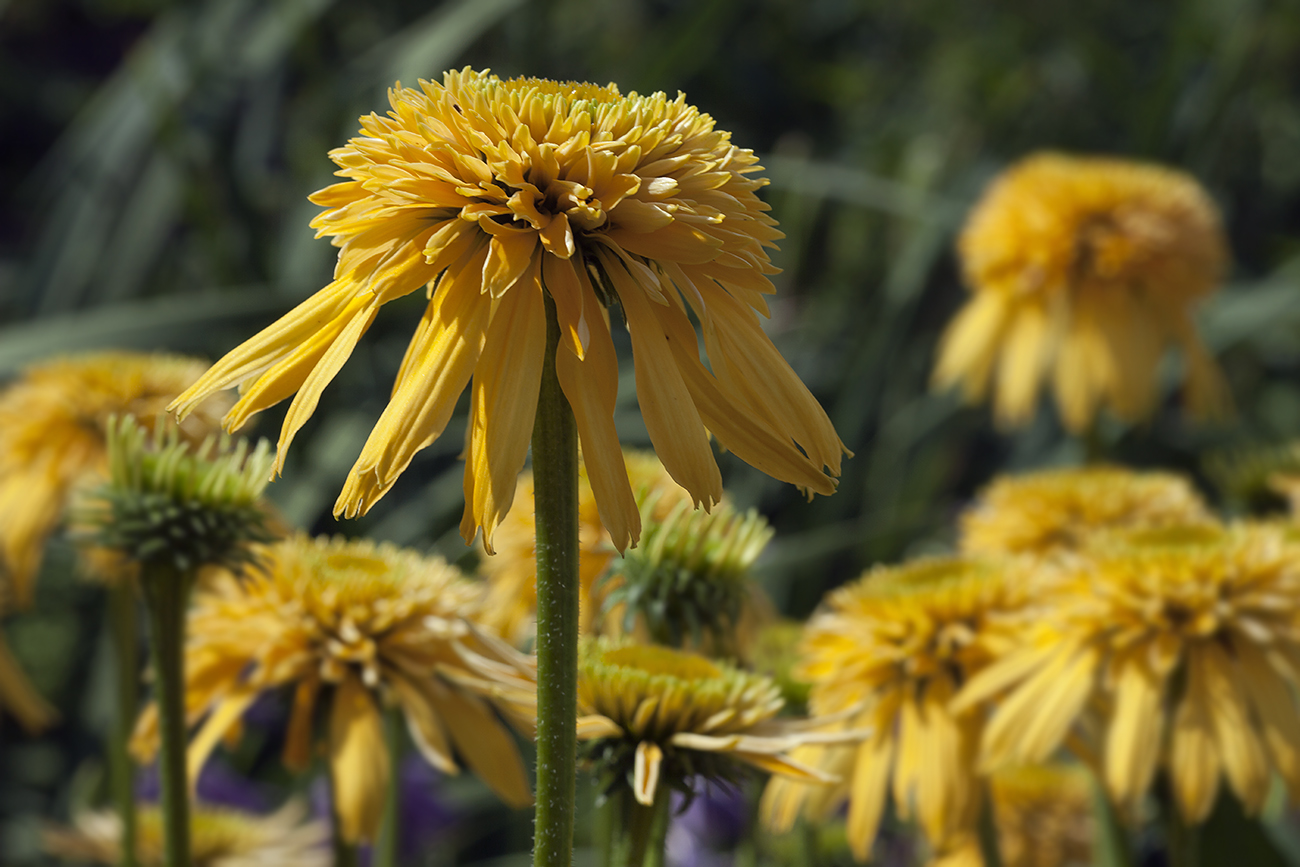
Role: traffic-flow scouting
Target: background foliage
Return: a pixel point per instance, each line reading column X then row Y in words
column 156, row 157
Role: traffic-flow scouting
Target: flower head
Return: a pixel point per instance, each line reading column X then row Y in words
column 1183, row 637
column 1084, row 271
column 511, row 605
column 653, row 715
column 360, row 626
column 888, row 653
column 1053, row 511
column 220, row 837
column 168, row 502
column 54, row 439
column 504, row 196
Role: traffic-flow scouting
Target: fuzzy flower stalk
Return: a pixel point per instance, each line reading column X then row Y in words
column 173, row 509
column 538, row 215
column 1084, row 270
column 1175, row 648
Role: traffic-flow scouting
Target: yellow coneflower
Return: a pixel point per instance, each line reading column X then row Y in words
column 1053, row 511
column 511, row 605
column 367, row 626
column 221, row 837
column 652, row 715
column 1084, row 271
column 890, row 651
column 53, row 439
column 502, row 197
column 1184, row 636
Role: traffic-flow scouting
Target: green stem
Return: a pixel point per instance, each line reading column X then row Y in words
column 125, row 630
column 988, row 832
column 640, row 830
column 1110, row 842
column 555, row 501
column 166, row 591
column 385, row 854
column 1183, row 841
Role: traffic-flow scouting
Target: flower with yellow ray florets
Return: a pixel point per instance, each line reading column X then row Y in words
column 1185, row 638
column 889, row 653
column 221, row 837
column 1084, row 270
column 54, row 439
column 504, row 197
column 511, row 605
column 653, row 716
column 1056, row 511
column 361, row 626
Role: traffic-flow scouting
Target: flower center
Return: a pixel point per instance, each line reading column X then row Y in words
column 344, row 562
column 661, row 660
column 574, row 90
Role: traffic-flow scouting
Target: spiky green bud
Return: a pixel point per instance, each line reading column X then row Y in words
column 1249, row 477
column 689, row 577
column 168, row 503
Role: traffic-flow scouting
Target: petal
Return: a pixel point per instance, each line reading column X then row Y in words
column 224, row 716
column 1133, row 736
column 359, row 766
column 1193, row 761
column 1274, row 705
column 590, row 385
column 506, row 384
column 510, row 255
column 488, row 749
column 456, row 323
column 970, row 345
column 594, row 727
column 1033, row 721
column 423, row 724
column 646, row 772
column 670, row 415
column 675, row 242
column 560, row 277
column 867, row 793
column 1242, row 754
column 297, row 754
column 1025, row 353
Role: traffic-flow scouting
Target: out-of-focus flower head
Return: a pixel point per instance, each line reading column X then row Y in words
column 1258, row 478
column 1182, row 637
column 1056, row 511
column 887, row 654
column 1084, row 271
column 505, row 197
column 220, row 837
column 511, row 605
column 54, row 439
column 363, row 626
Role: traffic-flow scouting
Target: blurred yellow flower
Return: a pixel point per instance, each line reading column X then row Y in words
column 511, row 605
column 220, row 837
column 503, row 197
column 1054, row 511
column 889, row 652
column 53, row 439
column 370, row 626
column 1084, row 270
column 1185, row 636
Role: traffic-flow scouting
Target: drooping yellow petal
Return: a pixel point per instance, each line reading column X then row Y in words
column 1193, row 760
column 1240, row 750
column 223, row 717
column 358, row 762
column 483, row 742
column 419, row 410
column 867, row 798
column 646, row 764
column 423, row 723
column 1280, row 725
column 506, row 383
column 297, row 753
column 1133, row 738
column 666, row 405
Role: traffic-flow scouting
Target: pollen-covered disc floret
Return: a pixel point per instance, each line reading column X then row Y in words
column 503, row 197
column 1055, row 511
column 220, row 837
column 688, row 581
column 54, row 439
column 1084, row 271
column 361, row 626
column 888, row 653
column 1184, row 636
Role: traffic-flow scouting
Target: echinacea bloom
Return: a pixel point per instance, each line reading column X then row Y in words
column 220, row 837
column 652, row 715
column 888, row 653
column 503, row 197
column 510, row 608
column 367, row 626
column 54, row 439
column 1054, row 511
column 1181, row 640
column 1084, row 271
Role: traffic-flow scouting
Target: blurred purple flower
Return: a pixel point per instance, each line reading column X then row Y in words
column 707, row 832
